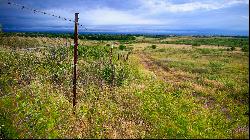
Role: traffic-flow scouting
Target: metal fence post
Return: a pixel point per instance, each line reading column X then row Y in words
column 75, row 58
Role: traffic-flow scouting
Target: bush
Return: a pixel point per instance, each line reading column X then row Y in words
column 121, row 74
column 122, row 47
column 245, row 48
column 153, row 46
column 232, row 48
column 107, row 74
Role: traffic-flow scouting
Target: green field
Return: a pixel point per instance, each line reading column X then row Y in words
column 154, row 87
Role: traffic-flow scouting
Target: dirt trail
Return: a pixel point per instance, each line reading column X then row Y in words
column 177, row 77
column 150, row 65
column 163, row 72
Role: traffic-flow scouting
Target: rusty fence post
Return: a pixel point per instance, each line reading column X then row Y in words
column 75, row 59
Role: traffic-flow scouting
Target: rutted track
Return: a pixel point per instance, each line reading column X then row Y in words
column 163, row 72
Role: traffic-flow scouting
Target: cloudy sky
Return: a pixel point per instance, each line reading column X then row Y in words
column 227, row 15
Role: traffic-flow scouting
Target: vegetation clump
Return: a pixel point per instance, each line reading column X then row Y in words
column 153, row 46
column 122, row 47
column 245, row 48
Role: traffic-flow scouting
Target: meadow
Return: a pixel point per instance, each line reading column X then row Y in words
column 147, row 87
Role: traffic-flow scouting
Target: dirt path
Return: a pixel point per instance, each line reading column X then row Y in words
column 177, row 78
column 163, row 72
column 150, row 65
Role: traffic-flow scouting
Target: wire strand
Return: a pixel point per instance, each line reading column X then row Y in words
column 45, row 13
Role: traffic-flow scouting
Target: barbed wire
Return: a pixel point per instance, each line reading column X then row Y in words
column 45, row 13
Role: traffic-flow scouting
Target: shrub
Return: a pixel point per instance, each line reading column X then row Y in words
column 232, row 48
column 121, row 74
column 107, row 74
column 153, row 46
column 122, row 47
column 245, row 48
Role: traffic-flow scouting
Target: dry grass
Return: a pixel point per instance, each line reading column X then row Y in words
column 173, row 91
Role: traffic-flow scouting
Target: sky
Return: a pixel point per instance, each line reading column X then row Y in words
column 228, row 16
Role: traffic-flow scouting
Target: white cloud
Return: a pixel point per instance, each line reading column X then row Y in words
column 107, row 16
column 148, row 14
column 156, row 6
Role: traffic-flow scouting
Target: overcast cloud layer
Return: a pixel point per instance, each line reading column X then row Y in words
column 228, row 15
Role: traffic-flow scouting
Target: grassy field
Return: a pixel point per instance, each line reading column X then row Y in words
column 166, row 87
